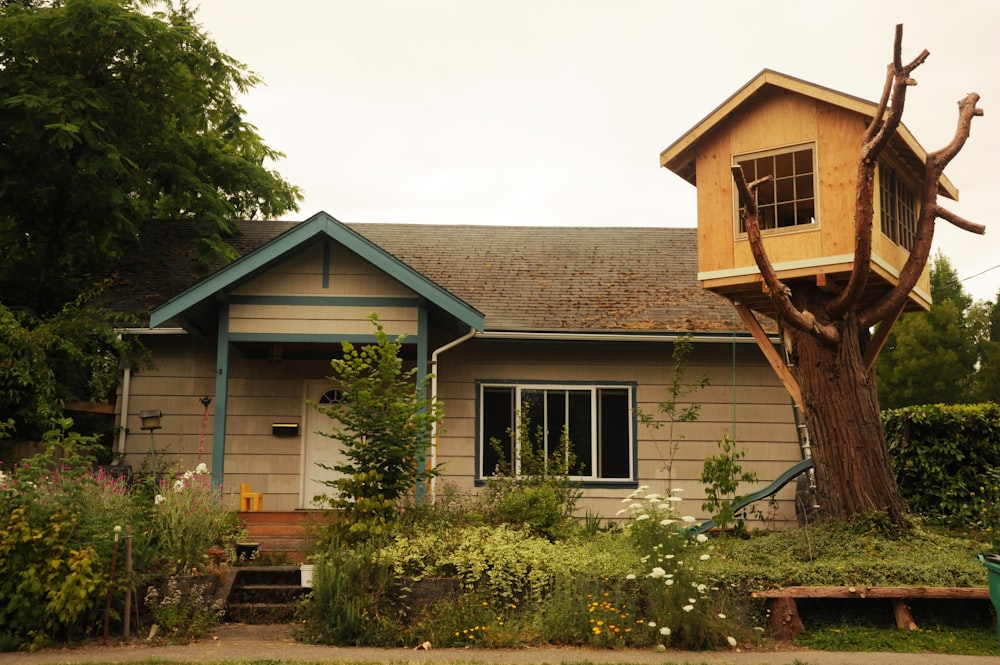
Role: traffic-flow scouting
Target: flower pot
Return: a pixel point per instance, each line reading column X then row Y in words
column 306, row 571
column 992, row 563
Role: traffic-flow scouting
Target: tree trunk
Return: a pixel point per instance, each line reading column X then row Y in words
column 853, row 473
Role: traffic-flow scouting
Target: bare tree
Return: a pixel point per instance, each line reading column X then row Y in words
column 829, row 331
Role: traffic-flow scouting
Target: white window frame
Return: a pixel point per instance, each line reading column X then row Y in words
column 595, row 434
column 812, row 225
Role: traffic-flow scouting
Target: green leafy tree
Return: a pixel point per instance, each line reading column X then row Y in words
column 116, row 113
column 385, row 422
column 931, row 357
column 986, row 382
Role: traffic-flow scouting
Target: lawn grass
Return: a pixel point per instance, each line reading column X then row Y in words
column 936, row 639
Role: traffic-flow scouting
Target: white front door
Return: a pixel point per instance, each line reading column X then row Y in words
column 319, row 449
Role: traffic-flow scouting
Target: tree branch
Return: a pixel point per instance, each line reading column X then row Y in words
column 879, row 132
column 929, row 212
column 960, row 222
column 779, row 292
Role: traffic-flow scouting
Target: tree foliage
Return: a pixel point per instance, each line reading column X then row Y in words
column 932, row 357
column 385, row 421
column 117, row 112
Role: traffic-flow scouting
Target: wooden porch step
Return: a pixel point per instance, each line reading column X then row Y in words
column 282, row 533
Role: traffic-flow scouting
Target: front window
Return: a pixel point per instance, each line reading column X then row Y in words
column 597, row 422
column 898, row 207
column 788, row 200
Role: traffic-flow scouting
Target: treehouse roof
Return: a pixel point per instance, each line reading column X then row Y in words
column 680, row 156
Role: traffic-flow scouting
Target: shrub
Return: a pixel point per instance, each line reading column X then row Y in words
column 56, row 540
column 945, row 459
column 353, row 599
column 191, row 515
column 384, row 435
column 186, row 607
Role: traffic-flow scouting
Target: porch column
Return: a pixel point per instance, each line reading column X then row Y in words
column 423, row 361
column 221, row 396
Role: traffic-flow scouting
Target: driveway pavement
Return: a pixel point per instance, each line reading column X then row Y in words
column 237, row 642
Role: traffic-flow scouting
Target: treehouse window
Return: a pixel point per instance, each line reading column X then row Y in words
column 898, row 207
column 788, row 200
column 597, row 421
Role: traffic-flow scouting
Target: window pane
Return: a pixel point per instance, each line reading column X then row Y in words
column 803, row 161
column 786, row 215
column 786, row 190
column 783, row 165
column 580, row 432
column 533, row 420
column 613, row 426
column 555, row 420
column 498, row 422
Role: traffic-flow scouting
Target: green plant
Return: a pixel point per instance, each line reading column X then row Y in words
column 671, row 408
column 353, row 597
column 385, row 424
column 943, row 456
column 539, row 493
column 191, row 515
column 680, row 599
column 57, row 520
column 186, row 607
column 722, row 475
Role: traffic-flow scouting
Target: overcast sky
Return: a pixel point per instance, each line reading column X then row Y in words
column 554, row 112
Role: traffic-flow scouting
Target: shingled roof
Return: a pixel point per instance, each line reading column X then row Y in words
column 522, row 278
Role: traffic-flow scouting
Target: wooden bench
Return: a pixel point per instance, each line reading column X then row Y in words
column 783, row 615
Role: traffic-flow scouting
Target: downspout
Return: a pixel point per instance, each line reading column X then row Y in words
column 434, row 398
column 123, row 416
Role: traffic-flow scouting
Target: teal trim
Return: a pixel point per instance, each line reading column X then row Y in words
column 374, row 302
column 320, row 225
column 221, row 397
column 423, row 359
column 293, row 337
column 327, row 251
column 770, row 490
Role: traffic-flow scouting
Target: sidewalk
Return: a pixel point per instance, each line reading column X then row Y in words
column 237, row 642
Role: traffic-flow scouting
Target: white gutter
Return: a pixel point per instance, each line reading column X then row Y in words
column 151, row 331
column 434, row 395
column 616, row 337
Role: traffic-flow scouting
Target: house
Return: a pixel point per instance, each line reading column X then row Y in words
column 577, row 321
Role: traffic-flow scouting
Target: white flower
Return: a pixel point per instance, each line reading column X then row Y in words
column 621, row 512
column 188, row 475
column 201, row 469
column 657, row 572
column 667, row 522
column 643, row 516
column 704, row 557
column 664, row 631
column 669, row 582
column 701, row 589
column 701, row 538
column 674, row 498
column 676, row 489
column 688, row 608
column 159, row 499
column 630, row 576
column 652, row 497
column 721, row 615
column 651, row 624
column 635, row 506
column 692, row 600
column 178, row 485
column 688, row 519
column 731, row 640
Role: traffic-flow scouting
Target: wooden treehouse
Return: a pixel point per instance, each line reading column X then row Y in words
column 807, row 138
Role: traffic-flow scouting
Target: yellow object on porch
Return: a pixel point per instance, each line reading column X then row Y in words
column 250, row 500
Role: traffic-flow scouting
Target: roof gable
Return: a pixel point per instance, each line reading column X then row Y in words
column 679, row 156
column 187, row 305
